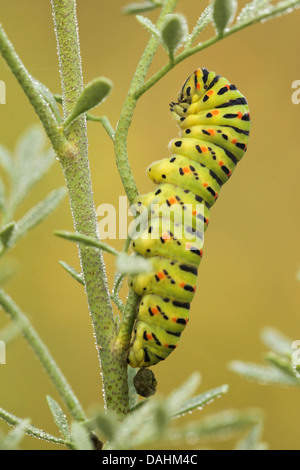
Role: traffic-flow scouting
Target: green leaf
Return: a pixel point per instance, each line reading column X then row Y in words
column 223, row 14
column 280, row 363
column 200, row 401
column 224, row 425
column 80, row 437
column 276, row 341
column 106, row 424
column 15, row 436
column 59, row 417
column 149, row 26
column 93, row 94
column 13, row 420
column 180, row 395
column 252, row 439
column 2, row 194
column 86, row 240
column 38, row 213
column 201, row 24
column 143, row 7
column 6, row 161
column 174, row 32
column 49, row 98
column 30, row 165
column 7, row 233
column 133, row 264
column 70, row 270
column 261, row 374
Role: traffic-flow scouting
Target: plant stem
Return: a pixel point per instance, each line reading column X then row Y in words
column 129, row 107
column 105, row 123
column 77, row 174
column 32, row 431
column 200, row 47
column 43, row 355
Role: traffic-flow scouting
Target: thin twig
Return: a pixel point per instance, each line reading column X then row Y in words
column 105, row 123
column 200, row 47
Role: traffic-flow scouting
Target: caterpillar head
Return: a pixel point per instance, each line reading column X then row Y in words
column 191, row 91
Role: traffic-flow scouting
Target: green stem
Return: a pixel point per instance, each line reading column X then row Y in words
column 200, row 47
column 105, row 123
column 43, row 355
column 30, row 87
column 78, row 178
column 129, row 107
column 32, row 431
column 87, row 241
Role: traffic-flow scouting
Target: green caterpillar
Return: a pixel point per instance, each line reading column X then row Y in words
column 215, row 123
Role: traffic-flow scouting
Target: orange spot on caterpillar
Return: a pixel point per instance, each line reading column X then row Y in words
column 182, row 284
column 149, row 336
column 161, row 275
column 216, row 195
column 210, row 92
column 229, row 174
column 195, row 288
column 234, row 141
column 166, row 236
column 204, row 149
column 207, row 220
column 240, row 115
column 194, row 212
column 166, row 345
column 172, row 200
column 201, row 253
column 205, row 185
column 228, row 87
column 188, row 245
column 174, row 319
column 198, row 86
column 215, row 112
column 154, row 310
column 186, row 169
column 211, row 131
column 221, row 163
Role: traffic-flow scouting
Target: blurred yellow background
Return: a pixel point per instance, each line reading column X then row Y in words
column 247, row 278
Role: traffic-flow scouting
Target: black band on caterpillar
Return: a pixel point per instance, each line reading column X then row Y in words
column 215, row 123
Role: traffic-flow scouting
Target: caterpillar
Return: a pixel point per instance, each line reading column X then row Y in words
column 214, row 120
